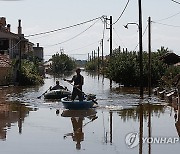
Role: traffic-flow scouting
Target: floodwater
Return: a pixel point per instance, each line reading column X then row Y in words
column 120, row 124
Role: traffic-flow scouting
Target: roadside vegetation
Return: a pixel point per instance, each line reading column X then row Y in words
column 29, row 74
column 123, row 67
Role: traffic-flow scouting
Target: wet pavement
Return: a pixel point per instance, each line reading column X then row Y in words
column 120, row 124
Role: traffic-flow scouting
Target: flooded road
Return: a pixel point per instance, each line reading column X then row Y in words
column 120, row 124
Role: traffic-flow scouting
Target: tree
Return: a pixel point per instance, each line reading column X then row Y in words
column 62, row 63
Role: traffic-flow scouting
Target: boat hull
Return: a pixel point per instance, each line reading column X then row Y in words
column 76, row 104
column 57, row 94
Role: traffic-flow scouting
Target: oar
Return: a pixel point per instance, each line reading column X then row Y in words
column 43, row 93
column 81, row 91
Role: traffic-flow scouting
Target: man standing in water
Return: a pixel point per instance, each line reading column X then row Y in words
column 78, row 80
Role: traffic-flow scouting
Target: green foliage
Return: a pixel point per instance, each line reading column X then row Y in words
column 124, row 67
column 29, row 74
column 62, row 63
column 169, row 78
column 91, row 66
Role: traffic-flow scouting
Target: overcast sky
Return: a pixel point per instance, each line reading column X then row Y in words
column 45, row 15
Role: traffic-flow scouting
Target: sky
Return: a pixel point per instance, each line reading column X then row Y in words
column 45, row 15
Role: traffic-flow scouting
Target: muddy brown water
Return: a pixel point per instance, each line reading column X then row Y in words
column 121, row 124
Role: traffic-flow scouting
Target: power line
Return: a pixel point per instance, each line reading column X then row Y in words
column 84, row 46
column 73, row 36
column 118, row 36
column 68, row 54
column 169, row 17
column 55, row 30
column 105, row 17
column 142, row 35
column 80, row 47
column 166, row 24
column 175, row 1
column 122, row 12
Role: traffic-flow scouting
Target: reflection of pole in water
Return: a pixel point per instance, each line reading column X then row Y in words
column 20, row 120
column 140, row 128
column 111, row 127
column 149, row 127
column 106, row 133
column 110, row 83
column 103, row 79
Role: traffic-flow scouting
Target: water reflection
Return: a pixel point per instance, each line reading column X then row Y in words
column 77, row 118
column 177, row 124
column 119, row 113
column 11, row 113
column 135, row 112
column 143, row 113
column 176, row 107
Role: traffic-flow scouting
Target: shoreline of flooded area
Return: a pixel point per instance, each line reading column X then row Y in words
column 120, row 124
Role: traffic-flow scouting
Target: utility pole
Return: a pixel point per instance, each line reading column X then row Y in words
column 119, row 49
column 19, row 66
column 20, row 54
column 140, row 50
column 149, row 50
column 98, row 60
column 88, row 57
column 110, row 36
column 92, row 57
column 110, row 39
column 102, row 45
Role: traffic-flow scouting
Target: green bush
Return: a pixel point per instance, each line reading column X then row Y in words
column 91, row 66
column 29, row 74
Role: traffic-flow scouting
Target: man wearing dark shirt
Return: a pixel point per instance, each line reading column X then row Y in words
column 57, row 86
column 78, row 80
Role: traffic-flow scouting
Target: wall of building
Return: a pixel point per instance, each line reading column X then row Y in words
column 38, row 52
column 5, row 75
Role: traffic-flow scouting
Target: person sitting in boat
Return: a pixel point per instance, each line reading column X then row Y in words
column 57, row 86
column 78, row 80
